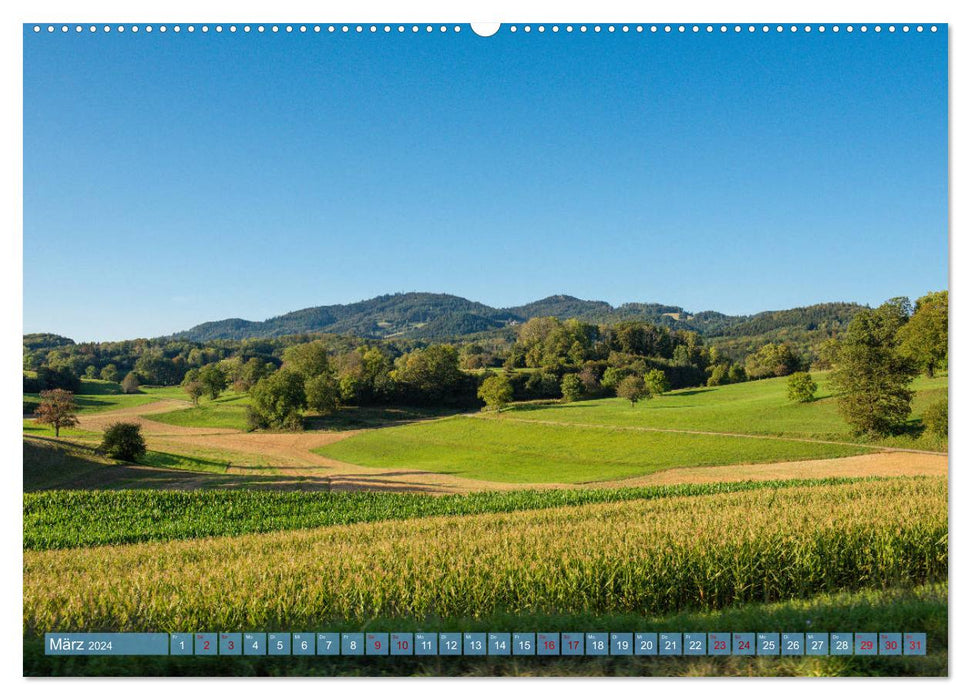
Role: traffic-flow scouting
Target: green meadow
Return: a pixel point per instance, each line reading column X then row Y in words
column 756, row 408
column 97, row 395
column 521, row 452
column 228, row 411
column 598, row 440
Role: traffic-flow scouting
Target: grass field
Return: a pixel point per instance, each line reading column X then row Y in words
column 608, row 439
column 758, row 407
column 57, row 466
column 97, row 395
column 518, row 452
column 647, row 556
column 228, row 411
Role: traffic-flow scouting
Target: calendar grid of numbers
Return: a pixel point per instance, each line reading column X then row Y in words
column 487, row 644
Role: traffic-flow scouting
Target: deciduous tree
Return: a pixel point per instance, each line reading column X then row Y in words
column 571, row 387
column 923, row 339
column 213, row 380
column 772, row 360
column 496, row 391
column 656, row 382
column 194, row 389
column 633, row 389
column 130, row 383
column 873, row 378
column 110, row 373
column 277, row 400
column 57, row 409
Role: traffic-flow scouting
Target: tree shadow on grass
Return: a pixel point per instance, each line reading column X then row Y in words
column 59, row 464
column 542, row 405
column 356, row 417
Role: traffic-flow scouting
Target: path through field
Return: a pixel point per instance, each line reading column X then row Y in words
column 289, row 455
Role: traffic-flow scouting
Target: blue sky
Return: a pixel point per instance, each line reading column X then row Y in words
column 174, row 179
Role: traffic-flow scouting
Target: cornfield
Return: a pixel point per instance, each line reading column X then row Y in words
column 56, row 519
column 643, row 556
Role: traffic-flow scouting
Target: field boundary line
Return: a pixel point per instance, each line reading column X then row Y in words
column 687, row 431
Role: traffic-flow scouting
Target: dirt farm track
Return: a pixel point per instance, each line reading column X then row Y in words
column 289, row 455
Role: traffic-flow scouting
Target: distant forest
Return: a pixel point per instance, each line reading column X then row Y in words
column 444, row 317
column 539, row 357
column 553, row 336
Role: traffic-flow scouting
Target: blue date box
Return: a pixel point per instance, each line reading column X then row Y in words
column 328, row 644
column 352, row 644
column 817, row 644
column 572, row 644
column 426, row 644
column 402, row 644
column 915, row 644
column 499, row 644
column 376, row 644
column 767, row 644
column 278, row 643
column 694, row 644
column 524, row 644
column 230, row 644
column 793, row 644
column 206, row 644
column 450, row 643
column 474, row 643
column 180, row 644
column 254, row 644
column 548, row 644
column 597, row 644
column 719, row 643
column 645, row 644
column 743, row 644
column 669, row 643
column 841, row 644
column 621, row 643
column 891, row 644
column 304, row 644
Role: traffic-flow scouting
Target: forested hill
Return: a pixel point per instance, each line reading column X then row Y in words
column 427, row 316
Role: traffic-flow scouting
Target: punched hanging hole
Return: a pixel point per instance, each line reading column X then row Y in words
column 485, row 28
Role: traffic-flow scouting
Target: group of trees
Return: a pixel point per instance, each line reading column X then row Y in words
column 773, row 360
column 574, row 359
column 497, row 391
column 874, row 360
column 306, row 381
column 881, row 353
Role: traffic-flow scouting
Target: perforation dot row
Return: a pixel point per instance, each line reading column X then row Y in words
column 260, row 28
column 414, row 28
column 723, row 28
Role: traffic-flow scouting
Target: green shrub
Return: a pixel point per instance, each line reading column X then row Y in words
column 572, row 387
column 123, row 441
column 496, row 391
column 802, row 388
column 657, row 382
